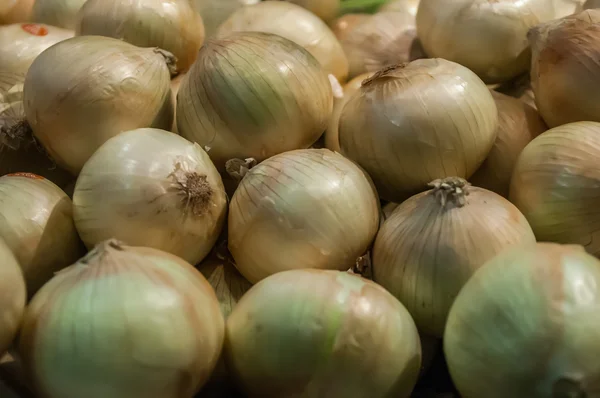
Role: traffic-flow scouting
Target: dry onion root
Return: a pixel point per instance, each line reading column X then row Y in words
column 12, row 299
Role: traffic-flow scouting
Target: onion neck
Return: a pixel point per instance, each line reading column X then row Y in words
column 451, row 190
column 170, row 60
column 238, row 168
column 383, row 73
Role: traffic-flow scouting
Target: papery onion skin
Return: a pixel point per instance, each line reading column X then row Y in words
column 21, row 44
column 287, row 106
column 15, row 11
column 401, row 5
column 428, row 119
column 518, row 124
column 316, row 333
column 36, row 222
column 13, row 295
column 324, row 9
column 524, row 326
column 97, row 88
column 123, row 322
column 556, row 184
column 172, row 25
column 308, row 208
column 61, row 13
column 215, row 12
column 151, row 187
column 343, row 25
column 296, row 24
column 486, row 36
column 565, row 74
column 427, row 249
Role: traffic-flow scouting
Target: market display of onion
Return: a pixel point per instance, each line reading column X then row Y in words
column 556, row 184
column 525, row 326
column 296, row 24
column 428, row 119
column 498, row 50
column 36, row 222
column 172, row 25
column 61, row 13
column 153, row 188
column 13, row 296
column 565, row 73
column 433, row 242
column 159, row 337
column 103, row 87
column 20, row 44
column 309, row 208
column 518, row 124
column 15, row 11
column 318, row 333
column 253, row 95
column 215, row 12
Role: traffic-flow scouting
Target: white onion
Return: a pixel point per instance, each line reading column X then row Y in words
column 20, row 44
column 296, row 24
column 324, row 9
column 309, row 208
column 12, row 297
column 87, row 89
column 215, row 12
column 62, row 13
column 14, row 11
column 153, row 188
column 428, row 119
column 486, row 36
column 171, row 25
column 253, row 95
column 36, row 222
column 123, row 322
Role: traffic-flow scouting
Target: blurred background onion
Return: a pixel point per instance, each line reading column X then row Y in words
column 215, row 12
column 324, row 9
column 61, row 13
column 401, row 5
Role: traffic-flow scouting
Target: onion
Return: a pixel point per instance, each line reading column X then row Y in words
column 14, row 11
column 486, row 36
column 20, row 44
column 19, row 152
column 87, row 89
column 296, row 24
column 433, row 242
column 565, row 73
column 518, row 125
column 12, row 298
column 123, row 322
column 428, row 119
column 172, row 25
column 215, row 12
column 556, row 184
column 315, row 333
column 381, row 40
column 525, row 325
column 253, row 95
column 401, row 5
column 309, row 208
column 324, row 9
column 36, row 222
column 62, row 13
column 345, row 24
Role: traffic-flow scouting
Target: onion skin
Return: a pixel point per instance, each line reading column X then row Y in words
column 175, row 85
column 556, row 184
column 61, row 13
column 309, row 208
column 565, row 75
column 486, row 36
column 296, row 24
column 428, row 119
column 172, row 25
column 13, row 296
column 108, row 87
column 278, row 113
column 21, row 44
column 15, row 11
column 36, row 222
column 524, row 326
column 518, row 124
column 336, row 328
column 343, row 25
column 160, row 336
column 426, row 251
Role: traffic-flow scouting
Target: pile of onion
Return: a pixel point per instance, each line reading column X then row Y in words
column 37, row 225
column 215, row 12
column 309, row 208
column 518, row 124
column 123, row 322
column 486, row 36
column 525, row 325
column 12, row 298
column 425, row 120
column 433, row 242
column 14, row 11
column 316, row 333
column 171, row 25
column 565, row 72
column 253, row 95
column 87, row 89
column 556, row 184
column 61, row 13
column 20, row 44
